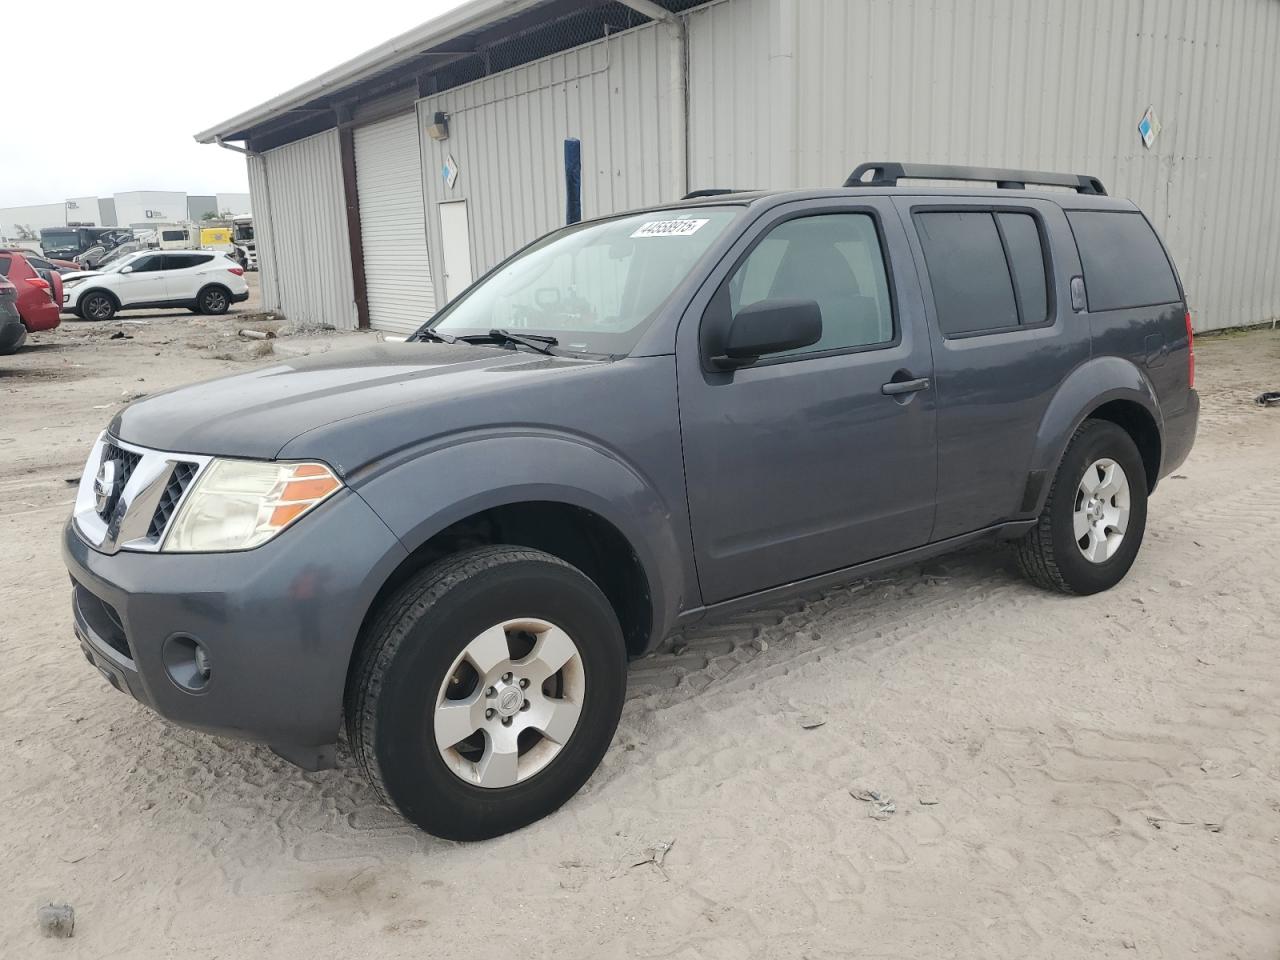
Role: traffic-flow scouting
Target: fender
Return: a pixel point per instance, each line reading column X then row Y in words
column 1095, row 382
column 458, row 476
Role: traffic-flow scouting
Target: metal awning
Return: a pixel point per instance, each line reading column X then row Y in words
column 414, row 57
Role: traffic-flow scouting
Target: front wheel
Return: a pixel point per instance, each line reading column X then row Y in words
column 486, row 691
column 96, row 306
column 1091, row 527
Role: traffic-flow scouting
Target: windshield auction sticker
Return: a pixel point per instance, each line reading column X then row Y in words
column 670, row 228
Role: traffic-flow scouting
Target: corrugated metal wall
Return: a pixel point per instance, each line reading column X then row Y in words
column 741, row 95
column 507, row 132
column 300, row 224
column 1042, row 84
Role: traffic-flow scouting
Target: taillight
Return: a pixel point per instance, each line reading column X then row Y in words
column 1191, row 353
column 238, row 271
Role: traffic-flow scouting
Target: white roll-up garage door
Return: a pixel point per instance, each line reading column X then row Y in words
column 392, row 224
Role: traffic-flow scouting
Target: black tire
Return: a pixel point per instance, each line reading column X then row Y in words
column 213, row 300
column 1049, row 555
column 411, row 644
column 97, row 306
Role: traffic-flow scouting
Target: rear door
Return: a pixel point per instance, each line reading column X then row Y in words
column 996, row 280
column 801, row 464
column 184, row 274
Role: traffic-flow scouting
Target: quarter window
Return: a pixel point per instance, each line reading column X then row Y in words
column 834, row 259
column 1124, row 265
column 986, row 270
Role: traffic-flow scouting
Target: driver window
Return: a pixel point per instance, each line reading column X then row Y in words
column 147, row 264
column 834, row 259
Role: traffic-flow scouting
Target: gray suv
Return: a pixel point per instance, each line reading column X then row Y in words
column 633, row 424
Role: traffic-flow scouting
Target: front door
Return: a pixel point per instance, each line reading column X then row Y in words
column 145, row 283
column 455, row 244
column 811, row 461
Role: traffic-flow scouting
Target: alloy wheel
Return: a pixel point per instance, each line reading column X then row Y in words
column 509, row 703
column 98, row 308
column 1101, row 510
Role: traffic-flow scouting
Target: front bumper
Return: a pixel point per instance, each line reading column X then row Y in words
column 278, row 623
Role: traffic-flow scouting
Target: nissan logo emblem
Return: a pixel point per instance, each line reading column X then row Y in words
column 104, row 485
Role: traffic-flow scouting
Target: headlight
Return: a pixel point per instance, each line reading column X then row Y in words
column 239, row 504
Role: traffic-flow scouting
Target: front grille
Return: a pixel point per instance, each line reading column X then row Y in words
column 103, row 621
column 128, row 461
column 179, row 480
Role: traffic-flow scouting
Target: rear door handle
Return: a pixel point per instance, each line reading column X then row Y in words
column 896, row 388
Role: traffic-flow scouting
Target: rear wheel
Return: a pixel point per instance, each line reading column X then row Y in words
column 486, row 691
column 1092, row 525
column 96, row 306
column 213, row 300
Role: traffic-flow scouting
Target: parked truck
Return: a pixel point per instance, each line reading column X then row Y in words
column 245, row 246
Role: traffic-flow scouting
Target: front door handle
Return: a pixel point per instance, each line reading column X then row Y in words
column 896, row 388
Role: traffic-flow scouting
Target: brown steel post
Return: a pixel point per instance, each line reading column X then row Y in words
column 347, row 148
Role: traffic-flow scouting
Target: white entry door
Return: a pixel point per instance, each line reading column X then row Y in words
column 455, row 247
column 393, row 224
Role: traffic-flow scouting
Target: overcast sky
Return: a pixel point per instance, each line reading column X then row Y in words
column 105, row 97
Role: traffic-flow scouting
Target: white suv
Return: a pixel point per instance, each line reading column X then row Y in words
column 201, row 281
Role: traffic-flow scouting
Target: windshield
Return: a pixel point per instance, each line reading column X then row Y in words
column 114, row 266
column 592, row 287
column 59, row 240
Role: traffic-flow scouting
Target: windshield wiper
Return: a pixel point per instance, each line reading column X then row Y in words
column 534, row 341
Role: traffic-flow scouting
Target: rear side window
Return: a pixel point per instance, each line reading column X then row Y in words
column 987, row 270
column 1026, row 263
column 1124, row 264
column 181, row 261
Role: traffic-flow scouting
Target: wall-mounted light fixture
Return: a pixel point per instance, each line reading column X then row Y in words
column 439, row 130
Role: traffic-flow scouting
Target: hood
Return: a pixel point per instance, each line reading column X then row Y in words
column 80, row 274
column 256, row 414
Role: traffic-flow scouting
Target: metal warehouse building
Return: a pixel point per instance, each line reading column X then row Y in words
column 381, row 188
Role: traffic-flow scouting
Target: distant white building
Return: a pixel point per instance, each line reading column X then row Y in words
column 135, row 208
column 143, row 208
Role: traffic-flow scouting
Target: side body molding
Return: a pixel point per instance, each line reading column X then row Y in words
column 455, row 477
column 1095, row 382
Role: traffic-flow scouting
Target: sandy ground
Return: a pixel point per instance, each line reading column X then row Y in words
column 1072, row 777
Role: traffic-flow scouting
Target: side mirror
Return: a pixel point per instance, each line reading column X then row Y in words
column 126, row 269
column 769, row 326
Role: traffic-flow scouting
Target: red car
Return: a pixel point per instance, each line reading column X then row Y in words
column 39, row 291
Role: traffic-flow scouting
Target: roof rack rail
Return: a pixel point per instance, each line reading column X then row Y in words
column 888, row 173
column 711, row 192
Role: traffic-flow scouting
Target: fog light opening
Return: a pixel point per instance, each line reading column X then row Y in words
column 187, row 663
